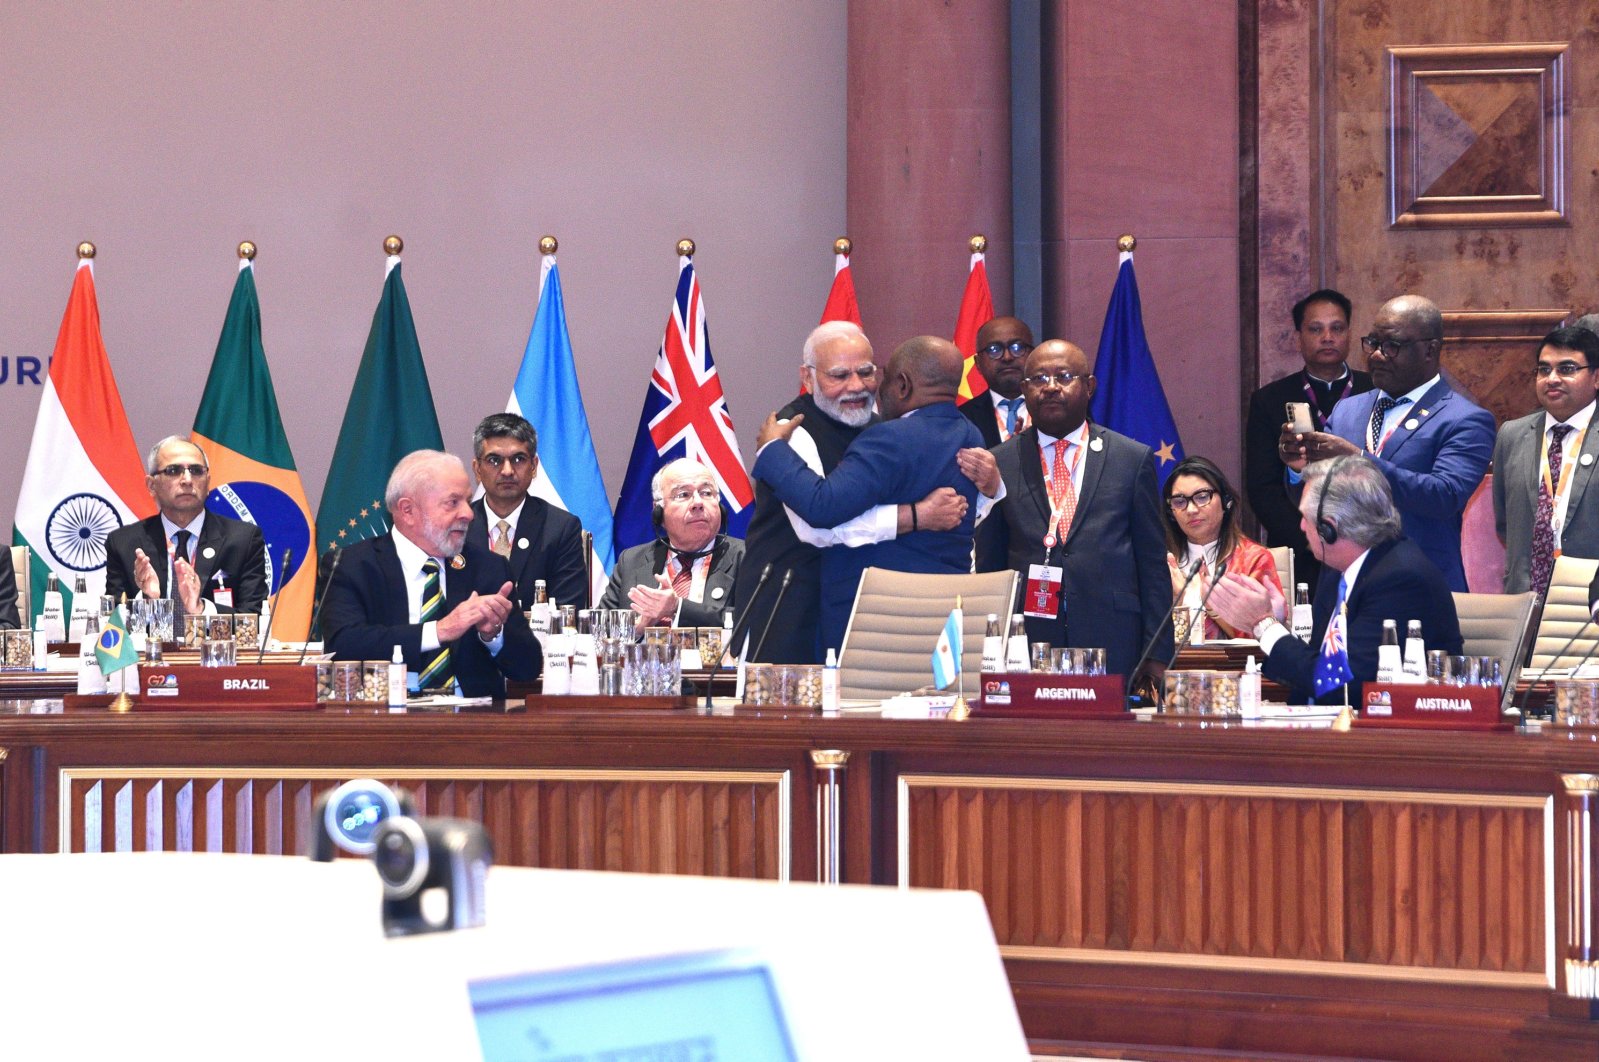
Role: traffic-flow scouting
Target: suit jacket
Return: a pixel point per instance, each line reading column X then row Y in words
column 1116, row 590
column 980, row 411
column 366, row 613
column 895, row 462
column 230, row 548
column 1270, row 499
column 640, row 563
column 1517, row 470
column 554, row 551
column 1396, row 582
column 1434, row 460
column 10, row 617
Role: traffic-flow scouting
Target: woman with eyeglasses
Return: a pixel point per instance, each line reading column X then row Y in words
column 1201, row 525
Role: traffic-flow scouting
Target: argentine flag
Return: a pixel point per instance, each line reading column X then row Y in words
column 546, row 393
column 947, row 653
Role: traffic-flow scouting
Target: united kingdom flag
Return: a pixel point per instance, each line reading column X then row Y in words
column 685, row 415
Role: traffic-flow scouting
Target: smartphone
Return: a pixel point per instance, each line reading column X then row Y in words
column 1299, row 417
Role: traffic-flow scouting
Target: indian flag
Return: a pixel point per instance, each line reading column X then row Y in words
column 84, row 478
column 253, row 477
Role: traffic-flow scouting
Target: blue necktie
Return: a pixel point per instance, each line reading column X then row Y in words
column 1010, row 405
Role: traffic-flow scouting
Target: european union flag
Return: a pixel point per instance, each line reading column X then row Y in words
column 1128, row 397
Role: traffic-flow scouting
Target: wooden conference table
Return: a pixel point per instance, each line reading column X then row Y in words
column 1159, row 883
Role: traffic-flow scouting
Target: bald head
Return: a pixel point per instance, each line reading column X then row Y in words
column 1003, row 343
column 921, row 372
column 1407, row 336
column 1059, row 405
column 1418, row 311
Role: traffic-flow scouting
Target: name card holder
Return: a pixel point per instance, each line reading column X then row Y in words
column 245, row 688
column 1432, row 707
column 1040, row 695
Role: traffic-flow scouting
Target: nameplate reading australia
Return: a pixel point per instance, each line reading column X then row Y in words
column 246, row 688
column 1029, row 695
column 1432, row 707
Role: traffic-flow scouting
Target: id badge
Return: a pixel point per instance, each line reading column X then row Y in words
column 1041, row 599
column 222, row 597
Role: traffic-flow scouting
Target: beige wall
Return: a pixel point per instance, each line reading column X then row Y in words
column 167, row 132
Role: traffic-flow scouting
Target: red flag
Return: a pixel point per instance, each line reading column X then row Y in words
column 977, row 309
column 841, row 304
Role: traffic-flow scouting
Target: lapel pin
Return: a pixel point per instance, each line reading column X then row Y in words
column 458, row 562
column 716, row 593
column 521, row 543
column 1412, row 424
column 1096, row 444
column 1586, row 460
column 208, row 552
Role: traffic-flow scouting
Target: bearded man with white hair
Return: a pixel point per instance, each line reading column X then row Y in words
column 423, row 587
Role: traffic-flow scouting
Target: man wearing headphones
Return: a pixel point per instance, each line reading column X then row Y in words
column 686, row 577
column 1370, row 574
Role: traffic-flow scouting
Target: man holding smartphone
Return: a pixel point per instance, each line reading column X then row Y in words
column 1321, row 320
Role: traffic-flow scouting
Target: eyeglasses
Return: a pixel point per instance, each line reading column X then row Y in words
column 1390, row 347
column 1199, row 499
column 1566, row 370
column 706, row 493
column 175, row 471
column 865, row 373
column 520, row 459
column 1060, row 379
column 1015, row 348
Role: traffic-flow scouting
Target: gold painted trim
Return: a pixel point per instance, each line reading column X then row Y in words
column 1580, row 783
column 4, row 752
column 1252, row 964
column 782, row 780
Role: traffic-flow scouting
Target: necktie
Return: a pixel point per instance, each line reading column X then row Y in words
column 1378, row 412
column 1010, row 405
column 502, row 539
column 683, row 581
column 1543, row 526
column 180, row 546
column 1062, row 494
column 437, row 673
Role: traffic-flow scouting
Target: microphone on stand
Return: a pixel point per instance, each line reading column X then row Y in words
column 272, row 606
column 316, row 613
column 1193, row 572
column 732, row 634
column 1221, row 570
column 781, row 590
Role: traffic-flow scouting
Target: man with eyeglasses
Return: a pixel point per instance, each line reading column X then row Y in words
column 1321, row 323
column 211, row 563
column 686, row 577
column 838, row 382
column 1433, row 443
column 1080, row 521
column 539, row 540
column 1003, row 344
column 1543, row 465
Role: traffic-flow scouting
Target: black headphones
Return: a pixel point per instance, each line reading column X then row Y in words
column 658, row 517
column 1326, row 530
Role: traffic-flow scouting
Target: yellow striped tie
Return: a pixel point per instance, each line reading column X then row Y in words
column 437, row 674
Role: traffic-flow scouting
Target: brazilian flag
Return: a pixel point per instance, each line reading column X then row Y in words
column 114, row 651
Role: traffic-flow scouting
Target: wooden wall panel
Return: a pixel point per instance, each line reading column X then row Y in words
column 1279, row 874
column 718, row 823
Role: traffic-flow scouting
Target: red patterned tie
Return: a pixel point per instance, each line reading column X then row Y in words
column 1061, row 490
column 683, row 581
column 1543, row 527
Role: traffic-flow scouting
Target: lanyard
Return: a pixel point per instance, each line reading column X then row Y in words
column 1056, row 503
column 1315, row 403
column 1557, row 489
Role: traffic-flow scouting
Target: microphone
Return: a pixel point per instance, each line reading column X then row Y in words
column 316, row 613
column 1526, row 694
column 1149, row 647
column 781, row 590
column 732, row 634
column 1221, row 570
column 272, row 607
column 587, row 538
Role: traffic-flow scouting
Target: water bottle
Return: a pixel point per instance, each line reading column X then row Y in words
column 1302, row 622
column 993, row 646
column 1415, row 667
column 1389, row 663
